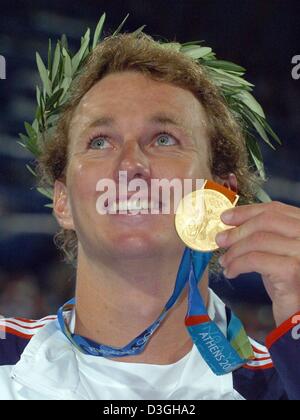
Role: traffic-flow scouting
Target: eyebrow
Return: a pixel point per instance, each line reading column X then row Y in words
column 160, row 118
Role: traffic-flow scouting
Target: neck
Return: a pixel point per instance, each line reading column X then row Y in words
column 116, row 302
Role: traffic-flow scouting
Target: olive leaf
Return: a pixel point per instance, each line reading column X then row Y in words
column 56, row 61
column 99, row 30
column 195, row 51
column 226, row 66
column 256, row 155
column 118, row 30
column 43, row 74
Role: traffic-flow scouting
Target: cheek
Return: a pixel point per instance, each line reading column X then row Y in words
column 187, row 167
column 197, row 167
column 83, row 178
column 198, row 170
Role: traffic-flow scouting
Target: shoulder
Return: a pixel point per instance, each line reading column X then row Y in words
column 15, row 334
column 258, row 379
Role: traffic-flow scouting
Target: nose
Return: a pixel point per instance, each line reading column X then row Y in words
column 134, row 161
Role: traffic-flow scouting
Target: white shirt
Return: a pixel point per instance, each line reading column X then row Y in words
column 189, row 378
column 52, row 368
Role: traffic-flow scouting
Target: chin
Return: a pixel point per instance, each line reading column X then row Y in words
column 137, row 246
column 135, row 237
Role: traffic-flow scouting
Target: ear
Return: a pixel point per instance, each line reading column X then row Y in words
column 61, row 206
column 229, row 181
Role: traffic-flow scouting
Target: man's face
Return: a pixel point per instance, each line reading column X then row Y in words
column 125, row 113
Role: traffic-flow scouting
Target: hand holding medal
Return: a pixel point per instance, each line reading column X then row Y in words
column 262, row 238
column 266, row 240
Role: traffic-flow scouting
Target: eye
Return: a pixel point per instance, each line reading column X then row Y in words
column 165, row 139
column 99, row 142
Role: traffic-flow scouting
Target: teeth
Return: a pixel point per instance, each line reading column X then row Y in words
column 123, row 205
column 133, row 205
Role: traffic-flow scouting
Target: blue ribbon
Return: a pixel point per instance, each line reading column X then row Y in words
column 208, row 338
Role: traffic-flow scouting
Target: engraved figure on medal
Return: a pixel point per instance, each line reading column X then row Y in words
column 198, row 220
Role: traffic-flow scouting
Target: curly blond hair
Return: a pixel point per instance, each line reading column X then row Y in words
column 142, row 53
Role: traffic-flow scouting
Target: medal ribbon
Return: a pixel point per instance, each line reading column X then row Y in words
column 222, row 355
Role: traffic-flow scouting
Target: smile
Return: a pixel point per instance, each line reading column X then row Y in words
column 143, row 206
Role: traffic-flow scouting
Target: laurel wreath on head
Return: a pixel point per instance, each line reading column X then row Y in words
column 63, row 66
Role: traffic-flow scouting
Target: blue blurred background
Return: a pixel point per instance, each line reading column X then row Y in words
column 262, row 36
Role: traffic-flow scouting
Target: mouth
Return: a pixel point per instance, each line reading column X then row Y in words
column 130, row 205
column 135, row 207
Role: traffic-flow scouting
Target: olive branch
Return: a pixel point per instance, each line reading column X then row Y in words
column 63, row 66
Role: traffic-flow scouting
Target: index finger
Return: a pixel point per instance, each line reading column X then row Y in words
column 238, row 215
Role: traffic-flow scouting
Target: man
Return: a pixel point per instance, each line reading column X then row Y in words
column 150, row 113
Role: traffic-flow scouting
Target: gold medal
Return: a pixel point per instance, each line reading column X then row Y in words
column 197, row 219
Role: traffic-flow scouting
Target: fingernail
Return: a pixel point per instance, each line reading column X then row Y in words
column 221, row 260
column 227, row 274
column 227, row 216
column 221, row 238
